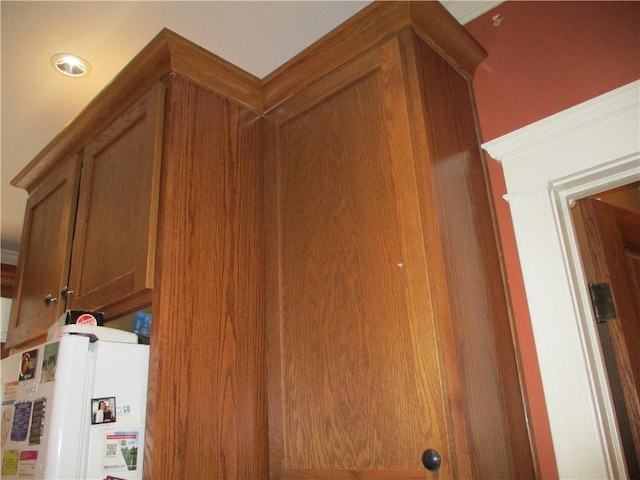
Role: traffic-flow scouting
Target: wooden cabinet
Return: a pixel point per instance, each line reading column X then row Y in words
column 112, row 263
column 45, row 249
column 110, row 267
column 207, row 401
column 324, row 274
column 356, row 349
column 170, row 212
column 388, row 329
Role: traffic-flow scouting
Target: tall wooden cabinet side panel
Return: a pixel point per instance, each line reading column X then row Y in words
column 114, row 243
column 45, row 249
column 206, row 395
column 452, row 176
column 354, row 355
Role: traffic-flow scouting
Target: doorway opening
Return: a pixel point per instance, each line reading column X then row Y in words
column 548, row 166
column 608, row 232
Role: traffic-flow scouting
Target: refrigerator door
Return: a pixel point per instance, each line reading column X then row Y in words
column 74, row 409
column 43, row 394
column 118, row 409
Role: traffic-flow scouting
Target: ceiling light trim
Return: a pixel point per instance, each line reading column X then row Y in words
column 70, row 65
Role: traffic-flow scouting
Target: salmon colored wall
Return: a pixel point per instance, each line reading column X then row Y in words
column 545, row 57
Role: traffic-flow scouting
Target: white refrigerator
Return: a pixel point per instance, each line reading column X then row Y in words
column 74, row 407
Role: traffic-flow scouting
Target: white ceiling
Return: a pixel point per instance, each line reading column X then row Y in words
column 37, row 102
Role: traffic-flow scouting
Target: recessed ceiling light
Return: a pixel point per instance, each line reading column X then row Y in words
column 70, row 65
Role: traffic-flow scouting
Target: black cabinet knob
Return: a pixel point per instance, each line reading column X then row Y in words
column 431, row 459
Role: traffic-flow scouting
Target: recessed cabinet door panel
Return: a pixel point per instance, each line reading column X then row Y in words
column 44, row 254
column 114, row 243
column 355, row 381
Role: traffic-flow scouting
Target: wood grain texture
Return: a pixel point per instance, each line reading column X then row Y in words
column 353, row 353
column 435, row 256
column 213, row 73
column 363, row 177
column 47, row 236
column 326, row 474
column 207, row 399
column 438, row 29
column 166, row 53
column 359, row 250
column 114, row 241
column 452, row 180
column 364, row 31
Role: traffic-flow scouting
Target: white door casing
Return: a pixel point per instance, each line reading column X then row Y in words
column 586, row 149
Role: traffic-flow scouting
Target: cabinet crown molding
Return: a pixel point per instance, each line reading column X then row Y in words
column 380, row 20
column 169, row 53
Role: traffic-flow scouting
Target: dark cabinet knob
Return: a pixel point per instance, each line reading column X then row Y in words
column 50, row 300
column 431, row 459
column 66, row 292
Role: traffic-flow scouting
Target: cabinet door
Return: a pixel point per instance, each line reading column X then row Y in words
column 114, row 242
column 356, row 376
column 43, row 265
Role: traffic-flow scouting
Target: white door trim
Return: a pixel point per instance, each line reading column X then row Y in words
column 548, row 165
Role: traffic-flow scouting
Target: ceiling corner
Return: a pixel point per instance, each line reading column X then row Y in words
column 465, row 11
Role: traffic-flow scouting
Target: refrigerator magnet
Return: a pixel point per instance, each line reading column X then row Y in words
column 103, row 410
column 28, row 365
column 49, row 362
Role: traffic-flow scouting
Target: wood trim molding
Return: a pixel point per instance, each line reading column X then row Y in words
column 168, row 53
column 363, row 31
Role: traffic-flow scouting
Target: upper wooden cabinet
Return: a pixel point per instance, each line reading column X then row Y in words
column 322, row 261
column 45, row 249
column 113, row 255
column 110, row 266
column 170, row 212
column 357, row 356
column 388, row 328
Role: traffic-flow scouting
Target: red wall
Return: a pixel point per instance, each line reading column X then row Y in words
column 545, row 57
